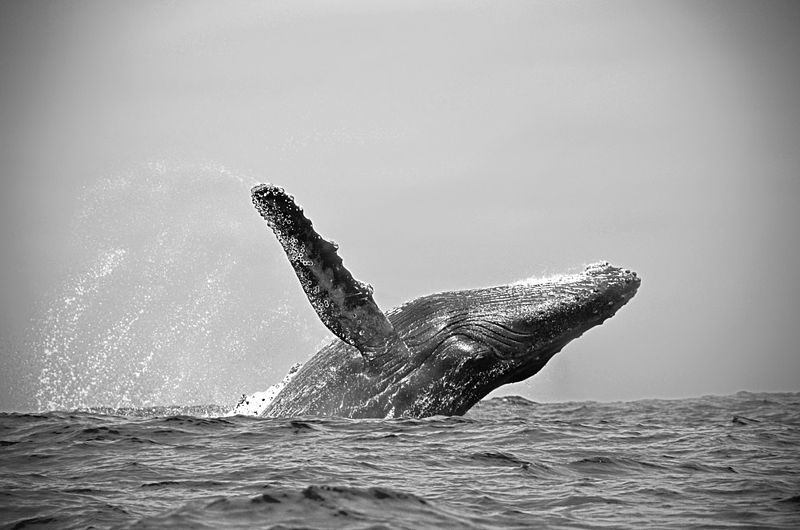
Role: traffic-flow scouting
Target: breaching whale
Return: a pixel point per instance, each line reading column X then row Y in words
column 436, row 355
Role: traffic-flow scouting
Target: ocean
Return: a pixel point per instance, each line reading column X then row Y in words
column 703, row 462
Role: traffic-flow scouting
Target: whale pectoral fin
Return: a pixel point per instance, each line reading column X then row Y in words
column 344, row 304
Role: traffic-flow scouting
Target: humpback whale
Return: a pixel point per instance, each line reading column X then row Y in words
column 435, row 355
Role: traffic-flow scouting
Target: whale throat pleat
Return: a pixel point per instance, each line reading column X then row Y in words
column 344, row 304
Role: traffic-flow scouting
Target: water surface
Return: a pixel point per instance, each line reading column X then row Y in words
column 703, row 462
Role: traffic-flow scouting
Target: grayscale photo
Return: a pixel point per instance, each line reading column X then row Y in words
column 400, row 264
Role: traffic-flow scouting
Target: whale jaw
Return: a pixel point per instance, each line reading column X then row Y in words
column 575, row 303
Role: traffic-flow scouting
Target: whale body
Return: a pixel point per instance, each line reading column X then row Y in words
column 438, row 354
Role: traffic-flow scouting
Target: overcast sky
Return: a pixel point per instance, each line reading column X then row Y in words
column 443, row 145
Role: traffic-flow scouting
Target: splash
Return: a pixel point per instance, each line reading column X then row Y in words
column 255, row 404
column 162, row 309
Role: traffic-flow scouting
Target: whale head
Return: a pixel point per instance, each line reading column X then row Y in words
column 477, row 340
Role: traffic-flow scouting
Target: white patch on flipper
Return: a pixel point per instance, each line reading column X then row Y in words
column 255, row 404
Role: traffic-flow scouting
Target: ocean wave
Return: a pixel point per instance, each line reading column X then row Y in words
column 507, row 463
column 316, row 506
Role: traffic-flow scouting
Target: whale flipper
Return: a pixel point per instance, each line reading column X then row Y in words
column 344, row 304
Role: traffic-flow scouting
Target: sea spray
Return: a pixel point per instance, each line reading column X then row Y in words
column 161, row 307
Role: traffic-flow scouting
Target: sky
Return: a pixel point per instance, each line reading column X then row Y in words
column 443, row 145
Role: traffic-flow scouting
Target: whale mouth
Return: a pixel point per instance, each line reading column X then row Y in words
column 548, row 313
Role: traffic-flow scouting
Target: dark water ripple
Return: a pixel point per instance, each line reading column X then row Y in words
column 510, row 463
